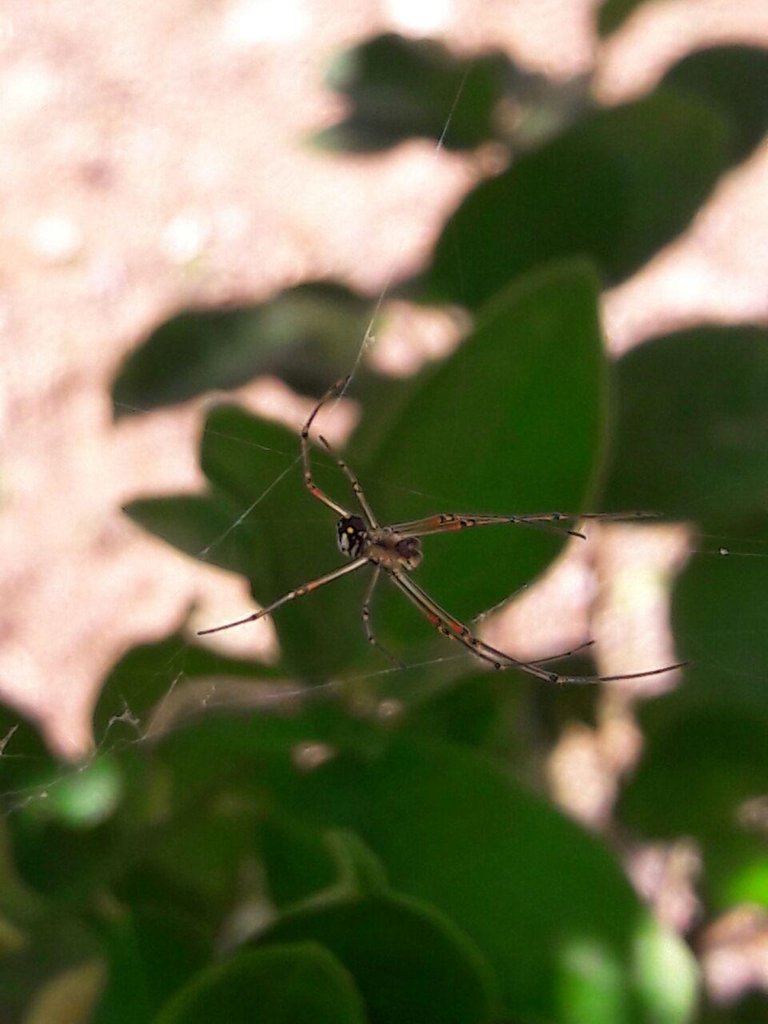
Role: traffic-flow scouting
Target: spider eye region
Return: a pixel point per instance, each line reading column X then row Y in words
column 352, row 536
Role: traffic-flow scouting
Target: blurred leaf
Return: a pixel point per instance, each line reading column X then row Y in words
column 26, row 765
column 144, row 677
column 56, row 947
column 303, row 328
column 398, row 88
column 468, row 711
column 198, row 524
column 615, row 188
column 700, row 766
column 407, row 961
column 297, row 859
column 150, row 953
column 733, row 80
column 720, row 611
column 280, row 985
column 692, row 430
column 704, row 763
column 525, row 883
column 512, row 422
column 67, row 998
column 613, row 13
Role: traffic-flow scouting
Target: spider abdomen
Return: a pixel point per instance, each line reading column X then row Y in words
column 394, row 550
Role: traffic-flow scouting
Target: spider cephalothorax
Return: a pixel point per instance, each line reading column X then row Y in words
column 396, row 550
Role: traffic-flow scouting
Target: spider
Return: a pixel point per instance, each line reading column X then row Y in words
column 396, row 550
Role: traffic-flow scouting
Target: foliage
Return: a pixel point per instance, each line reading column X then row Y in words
column 313, row 859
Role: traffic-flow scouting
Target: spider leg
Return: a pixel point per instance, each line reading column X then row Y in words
column 366, row 614
column 450, row 627
column 354, row 483
column 456, row 630
column 448, row 522
column 305, row 588
column 309, row 482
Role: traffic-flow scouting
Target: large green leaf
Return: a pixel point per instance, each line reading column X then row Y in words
column 408, row 962
column 692, row 428
column 512, row 423
column 151, row 952
column 615, row 187
column 545, row 902
column 290, row 984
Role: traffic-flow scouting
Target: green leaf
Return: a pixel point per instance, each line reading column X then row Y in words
column 408, row 962
column 198, row 524
column 397, row 88
column 546, row 903
column 700, row 767
column 692, row 431
column 719, row 611
column 733, row 80
column 615, row 188
column 303, row 328
column 151, row 951
column 291, row 984
column 26, row 765
column 142, row 679
column 512, row 422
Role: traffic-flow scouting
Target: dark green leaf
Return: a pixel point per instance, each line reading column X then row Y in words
column 720, row 611
column 408, row 962
column 701, row 767
column 26, row 765
column 512, row 423
column 304, row 327
column 615, row 188
column 292, row 984
column 150, row 953
column 545, row 902
column 198, row 524
column 398, row 88
column 142, row 680
column 692, row 431
column 733, row 80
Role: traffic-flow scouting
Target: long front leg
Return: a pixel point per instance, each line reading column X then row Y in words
column 309, row 481
column 449, row 522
